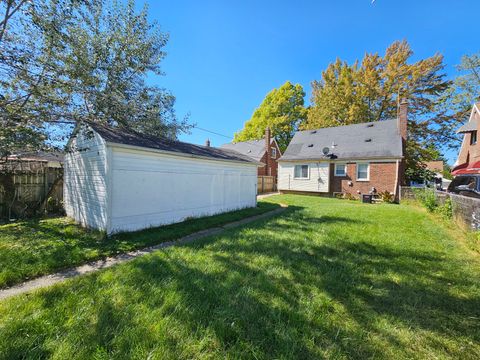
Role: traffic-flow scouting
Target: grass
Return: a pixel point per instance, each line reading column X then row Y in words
column 326, row 279
column 30, row 249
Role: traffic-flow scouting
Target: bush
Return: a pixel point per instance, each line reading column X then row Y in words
column 446, row 210
column 387, row 196
column 427, row 198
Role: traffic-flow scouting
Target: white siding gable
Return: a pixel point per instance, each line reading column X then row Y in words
column 317, row 180
column 85, row 190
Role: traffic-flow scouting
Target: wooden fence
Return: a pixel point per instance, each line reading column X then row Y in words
column 37, row 191
column 266, row 184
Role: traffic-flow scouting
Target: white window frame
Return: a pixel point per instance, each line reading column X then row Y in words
column 274, row 152
column 302, row 178
column 344, row 169
column 368, row 171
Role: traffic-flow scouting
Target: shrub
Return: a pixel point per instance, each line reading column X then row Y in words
column 427, row 198
column 349, row 196
column 387, row 196
column 446, row 210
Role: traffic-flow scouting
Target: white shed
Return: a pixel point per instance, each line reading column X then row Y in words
column 124, row 181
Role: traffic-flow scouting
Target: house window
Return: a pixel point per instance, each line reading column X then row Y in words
column 473, row 138
column 301, row 172
column 274, row 153
column 340, row 169
column 363, row 171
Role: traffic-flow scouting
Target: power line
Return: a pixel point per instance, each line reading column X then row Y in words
column 225, row 136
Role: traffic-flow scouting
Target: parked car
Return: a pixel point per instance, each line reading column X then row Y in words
column 466, row 185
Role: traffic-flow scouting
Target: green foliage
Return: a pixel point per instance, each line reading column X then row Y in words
column 64, row 61
column 282, row 110
column 348, row 196
column 456, row 104
column 387, row 196
column 446, row 210
column 327, row 279
column 370, row 90
column 38, row 247
column 427, row 198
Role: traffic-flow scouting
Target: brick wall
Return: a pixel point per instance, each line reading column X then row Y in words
column 272, row 163
column 470, row 153
column 382, row 177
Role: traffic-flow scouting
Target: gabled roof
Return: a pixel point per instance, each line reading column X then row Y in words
column 120, row 136
column 473, row 121
column 380, row 139
column 252, row 148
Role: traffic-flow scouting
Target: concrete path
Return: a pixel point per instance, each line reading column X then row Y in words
column 61, row 276
column 263, row 196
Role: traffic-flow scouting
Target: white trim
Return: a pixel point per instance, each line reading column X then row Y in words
column 344, row 170
column 368, row 171
column 302, row 178
column 278, row 147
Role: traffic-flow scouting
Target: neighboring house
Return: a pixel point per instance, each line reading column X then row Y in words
column 439, row 181
column 354, row 159
column 468, row 161
column 124, row 181
column 265, row 151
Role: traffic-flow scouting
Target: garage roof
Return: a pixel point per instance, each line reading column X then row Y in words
column 128, row 137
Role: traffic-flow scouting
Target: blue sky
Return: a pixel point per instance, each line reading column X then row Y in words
column 225, row 56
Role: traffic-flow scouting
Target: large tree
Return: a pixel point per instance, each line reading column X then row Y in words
column 282, row 110
column 64, row 61
column 458, row 100
column 370, row 90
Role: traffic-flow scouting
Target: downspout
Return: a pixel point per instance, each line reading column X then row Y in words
column 396, row 190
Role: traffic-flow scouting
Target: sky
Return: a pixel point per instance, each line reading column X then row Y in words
column 223, row 57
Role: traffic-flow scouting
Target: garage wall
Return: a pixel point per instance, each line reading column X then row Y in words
column 318, row 180
column 151, row 189
column 84, row 185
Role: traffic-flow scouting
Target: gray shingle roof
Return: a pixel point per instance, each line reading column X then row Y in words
column 252, row 148
column 121, row 136
column 379, row 139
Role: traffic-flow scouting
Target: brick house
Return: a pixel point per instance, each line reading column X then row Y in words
column 468, row 161
column 355, row 159
column 265, row 151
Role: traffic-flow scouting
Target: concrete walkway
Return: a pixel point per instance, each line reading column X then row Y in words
column 61, row 276
column 263, row 196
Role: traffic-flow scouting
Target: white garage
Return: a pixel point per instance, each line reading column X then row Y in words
column 124, row 181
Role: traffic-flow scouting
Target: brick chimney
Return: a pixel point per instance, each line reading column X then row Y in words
column 267, row 150
column 403, row 119
column 207, row 143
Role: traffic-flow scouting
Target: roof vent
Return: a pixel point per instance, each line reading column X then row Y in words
column 310, row 145
column 368, row 140
column 313, row 132
column 369, row 125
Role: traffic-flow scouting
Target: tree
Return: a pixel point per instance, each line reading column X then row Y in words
column 457, row 102
column 282, row 110
column 64, row 61
column 370, row 90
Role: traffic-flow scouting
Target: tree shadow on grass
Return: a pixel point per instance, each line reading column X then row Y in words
column 263, row 292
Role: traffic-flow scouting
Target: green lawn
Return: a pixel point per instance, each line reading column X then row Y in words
column 325, row 279
column 32, row 248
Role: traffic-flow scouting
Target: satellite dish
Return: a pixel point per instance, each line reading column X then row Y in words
column 325, row 150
